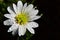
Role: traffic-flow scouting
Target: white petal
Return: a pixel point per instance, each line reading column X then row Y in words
column 19, row 31
column 34, row 18
column 10, row 11
column 22, row 30
column 30, row 6
column 30, row 29
column 15, row 8
column 33, row 24
column 8, row 22
column 28, row 9
column 13, row 27
column 19, row 6
column 14, row 32
column 33, row 12
column 8, row 15
column 25, row 5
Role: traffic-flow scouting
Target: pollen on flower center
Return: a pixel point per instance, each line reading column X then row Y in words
column 21, row 18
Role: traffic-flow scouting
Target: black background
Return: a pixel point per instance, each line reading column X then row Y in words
column 49, row 23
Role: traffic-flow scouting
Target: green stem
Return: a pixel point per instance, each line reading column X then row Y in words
column 29, row 37
column 33, row 1
column 18, row 38
column 23, row 0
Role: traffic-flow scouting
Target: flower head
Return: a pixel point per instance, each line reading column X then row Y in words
column 21, row 18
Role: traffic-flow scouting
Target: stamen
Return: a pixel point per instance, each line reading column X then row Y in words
column 21, row 18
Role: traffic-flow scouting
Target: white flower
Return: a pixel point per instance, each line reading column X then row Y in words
column 21, row 18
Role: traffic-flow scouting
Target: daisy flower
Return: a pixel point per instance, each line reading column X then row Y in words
column 21, row 18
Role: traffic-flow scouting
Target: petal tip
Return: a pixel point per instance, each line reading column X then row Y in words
column 19, row 1
column 33, row 32
column 8, row 31
column 19, row 34
column 41, row 15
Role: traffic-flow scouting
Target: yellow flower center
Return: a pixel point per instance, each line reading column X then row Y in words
column 21, row 18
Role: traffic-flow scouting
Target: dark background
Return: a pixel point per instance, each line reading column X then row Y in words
column 49, row 23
